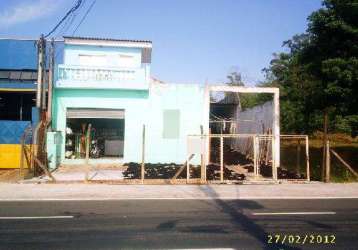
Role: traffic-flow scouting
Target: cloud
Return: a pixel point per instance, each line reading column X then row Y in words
column 27, row 11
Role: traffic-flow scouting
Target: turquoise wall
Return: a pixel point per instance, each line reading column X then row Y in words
column 189, row 99
column 76, row 74
column 144, row 105
column 72, row 52
column 141, row 107
column 129, row 100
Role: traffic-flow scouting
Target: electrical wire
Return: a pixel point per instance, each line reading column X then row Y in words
column 72, row 10
column 84, row 17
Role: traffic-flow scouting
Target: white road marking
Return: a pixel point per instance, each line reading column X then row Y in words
column 293, row 213
column 181, row 198
column 204, row 249
column 36, row 217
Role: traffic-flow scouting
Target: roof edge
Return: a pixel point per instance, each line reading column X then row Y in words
column 107, row 42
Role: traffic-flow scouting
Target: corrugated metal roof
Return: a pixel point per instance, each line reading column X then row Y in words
column 106, row 39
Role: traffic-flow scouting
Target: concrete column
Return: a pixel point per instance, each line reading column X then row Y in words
column 276, row 130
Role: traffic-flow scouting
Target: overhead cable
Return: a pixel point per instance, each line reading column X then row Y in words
column 72, row 10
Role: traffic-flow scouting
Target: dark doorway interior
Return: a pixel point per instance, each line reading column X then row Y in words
column 16, row 106
column 106, row 137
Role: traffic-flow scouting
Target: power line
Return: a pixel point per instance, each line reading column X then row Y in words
column 84, row 17
column 70, row 21
column 72, row 10
column 65, row 26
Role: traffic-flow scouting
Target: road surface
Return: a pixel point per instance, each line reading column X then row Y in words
column 180, row 224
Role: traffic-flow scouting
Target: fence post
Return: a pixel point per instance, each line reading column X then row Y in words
column 143, row 155
column 307, row 160
column 328, row 162
column 202, row 157
column 88, row 143
column 221, row 158
column 254, row 142
column 298, row 156
column 187, row 170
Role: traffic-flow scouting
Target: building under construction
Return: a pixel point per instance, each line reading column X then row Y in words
column 102, row 107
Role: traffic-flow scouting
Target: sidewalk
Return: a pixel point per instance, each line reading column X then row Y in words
column 104, row 191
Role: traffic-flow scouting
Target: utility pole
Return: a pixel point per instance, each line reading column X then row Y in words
column 50, row 80
column 40, row 70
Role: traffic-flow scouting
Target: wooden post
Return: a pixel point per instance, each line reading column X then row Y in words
column 325, row 131
column 187, row 170
column 88, row 143
column 255, row 154
column 298, row 156
column 307, row 160
column 344, row 163
column 40, row 68
column 50, row 80
column 328, row 163
column 180, row 170
column 22, row 156
column 258, row 159
column 202, row 162
column 222, row 159
column 209, row 148
column 143, row 155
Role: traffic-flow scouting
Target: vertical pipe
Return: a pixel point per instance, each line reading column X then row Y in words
column 143, row 155
column 307, row 160
column 221, row 158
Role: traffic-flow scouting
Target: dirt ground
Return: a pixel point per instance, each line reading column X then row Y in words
column 13, row 175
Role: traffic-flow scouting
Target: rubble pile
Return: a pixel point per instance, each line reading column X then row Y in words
column 213, row 173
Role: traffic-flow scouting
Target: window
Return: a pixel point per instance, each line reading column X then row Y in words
column 171, row 123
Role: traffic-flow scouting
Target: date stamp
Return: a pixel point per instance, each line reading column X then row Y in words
column 301, row 239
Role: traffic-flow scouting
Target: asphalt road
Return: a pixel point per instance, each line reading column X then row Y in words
column 179, row 224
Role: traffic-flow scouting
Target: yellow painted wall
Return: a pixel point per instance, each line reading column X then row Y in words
column 10, row 155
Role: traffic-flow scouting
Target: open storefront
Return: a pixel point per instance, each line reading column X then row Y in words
column 103, row 129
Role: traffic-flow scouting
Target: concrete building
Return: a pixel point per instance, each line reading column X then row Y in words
column 107, row 83
column 18, row 76
column 103, row 90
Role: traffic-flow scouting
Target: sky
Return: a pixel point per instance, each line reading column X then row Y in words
column 194, row 41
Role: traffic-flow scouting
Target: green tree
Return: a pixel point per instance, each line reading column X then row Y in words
column 319, row 74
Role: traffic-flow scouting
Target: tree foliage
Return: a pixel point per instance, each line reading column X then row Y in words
column 320, row 71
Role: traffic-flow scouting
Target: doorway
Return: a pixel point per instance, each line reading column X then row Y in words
column 102, row 129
